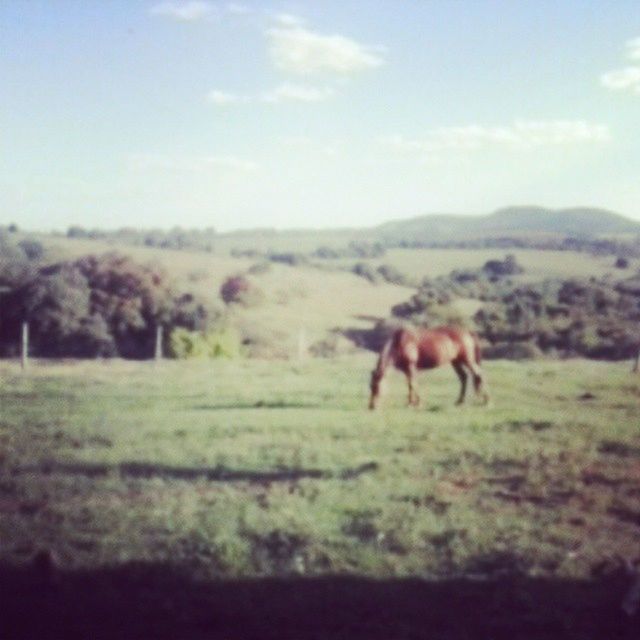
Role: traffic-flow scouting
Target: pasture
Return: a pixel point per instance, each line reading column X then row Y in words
column 163, row 489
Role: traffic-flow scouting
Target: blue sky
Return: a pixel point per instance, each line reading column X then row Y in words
column 313, row 113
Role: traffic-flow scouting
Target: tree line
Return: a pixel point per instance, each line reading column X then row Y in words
column 107, row 305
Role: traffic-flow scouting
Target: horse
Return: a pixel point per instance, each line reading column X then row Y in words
column 411, row 349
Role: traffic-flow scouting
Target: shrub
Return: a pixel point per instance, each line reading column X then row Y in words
column 292, row 259
column 240, row 290
column 393, row 276
column 220, row 343
column 366, row 271
column 259, row 268
column 507, row 267
column 96, row 306
column 32, row 249
column 512, row 351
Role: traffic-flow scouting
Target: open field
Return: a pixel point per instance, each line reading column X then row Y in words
column 537, row 264
column 163, row 490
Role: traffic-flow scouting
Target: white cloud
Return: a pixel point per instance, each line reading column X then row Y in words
column 296, row 49
column 189, row 164
column 625, row 78
column 297, row 93
column 223, row 98
column 558, row 132
column 286, row 92
column 633, row 49
column 289, row 20
column 188, row 11
column 522, row 134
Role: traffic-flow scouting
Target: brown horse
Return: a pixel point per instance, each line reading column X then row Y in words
column 411, row 349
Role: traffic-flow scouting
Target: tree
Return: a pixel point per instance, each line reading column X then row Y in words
column 240, row 290
column 97, row 306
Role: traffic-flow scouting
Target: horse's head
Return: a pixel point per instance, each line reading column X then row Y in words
column 376, row 385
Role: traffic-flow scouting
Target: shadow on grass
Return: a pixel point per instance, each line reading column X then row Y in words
column 159, row 601
column 259, row 404
column 148, row 470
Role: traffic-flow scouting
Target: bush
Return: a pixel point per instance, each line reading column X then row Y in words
column 366, row 249
column 292, row 259
column 240, row 290
column 507, row 267
column 32, row 249
column 96, row 306
column 220, row 343
column 512, row 351
column 366, row 271
column 259, row 268
column 15, row 267
column 393, row 276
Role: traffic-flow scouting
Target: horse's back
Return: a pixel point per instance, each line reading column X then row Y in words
column 441, row 345
column 433, row 347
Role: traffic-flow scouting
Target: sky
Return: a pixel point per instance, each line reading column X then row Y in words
column 313, row 113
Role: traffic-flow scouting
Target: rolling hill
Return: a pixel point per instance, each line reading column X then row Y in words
column 510, row 221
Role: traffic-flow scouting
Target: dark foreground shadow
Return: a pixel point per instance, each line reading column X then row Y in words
column 157, row 601
column 148, row 470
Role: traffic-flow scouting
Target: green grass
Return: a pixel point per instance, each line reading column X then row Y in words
column 254, row 468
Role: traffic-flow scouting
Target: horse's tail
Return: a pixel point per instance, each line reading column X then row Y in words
column 383, row 359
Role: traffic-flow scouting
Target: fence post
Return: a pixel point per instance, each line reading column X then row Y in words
column 158, row 351
column 636, row 364
column 25, row 345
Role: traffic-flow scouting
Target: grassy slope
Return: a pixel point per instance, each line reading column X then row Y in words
column 303, row 297
column 551, row 487
column 537, row 264
column 320, row 300
column 171, row 496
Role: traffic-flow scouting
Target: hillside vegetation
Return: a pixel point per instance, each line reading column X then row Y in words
column 322, row 291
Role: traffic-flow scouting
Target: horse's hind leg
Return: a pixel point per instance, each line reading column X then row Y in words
column 462, row 375
column 478, row 383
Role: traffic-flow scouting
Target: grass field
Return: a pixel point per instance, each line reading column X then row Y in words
column 230, row 471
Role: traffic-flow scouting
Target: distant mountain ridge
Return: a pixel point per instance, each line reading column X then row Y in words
column 509, row 222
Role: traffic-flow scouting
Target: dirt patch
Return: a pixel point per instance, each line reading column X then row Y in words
column 620, row 449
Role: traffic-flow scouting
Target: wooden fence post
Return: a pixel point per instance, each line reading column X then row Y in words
column 636, row 364
column 158, row 351
column 25, row 345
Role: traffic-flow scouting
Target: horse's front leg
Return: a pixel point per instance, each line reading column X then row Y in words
column 414, row 398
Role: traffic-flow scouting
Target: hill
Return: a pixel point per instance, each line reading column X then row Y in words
column 512, row 221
